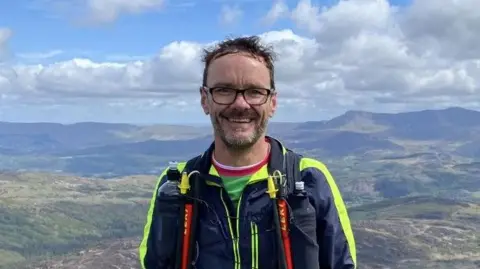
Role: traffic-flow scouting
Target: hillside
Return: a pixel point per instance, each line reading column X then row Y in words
column 398, row 239
column 418, row 232
column 46, row 214
column 453, row 123
column 113, row 150
column 46, row 138
column 410, row 180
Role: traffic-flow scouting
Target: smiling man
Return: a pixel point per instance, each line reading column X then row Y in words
column 238, row 218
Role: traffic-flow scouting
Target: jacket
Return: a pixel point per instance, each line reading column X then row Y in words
column 244, row 238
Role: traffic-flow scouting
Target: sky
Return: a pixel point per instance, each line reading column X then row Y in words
column 138, row 61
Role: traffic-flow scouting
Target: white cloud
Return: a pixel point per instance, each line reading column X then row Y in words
column 97, row 11
column 5, row 35
column 359, row 54
column 230, row 14
column 37, row 56
column 278, row 10
column 109, row 10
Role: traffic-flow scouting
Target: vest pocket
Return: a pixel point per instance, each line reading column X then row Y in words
column 215, row 245
column 303, row 233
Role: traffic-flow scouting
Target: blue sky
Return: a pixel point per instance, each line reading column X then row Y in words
column 36, row 32
column 35, row 29
column 46, row 35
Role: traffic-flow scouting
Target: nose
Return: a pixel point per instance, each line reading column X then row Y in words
column 240, row 101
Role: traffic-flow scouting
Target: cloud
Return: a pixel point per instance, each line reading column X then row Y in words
column 37, row 56
column 356, row 54
column 278, row 10
column 98, row 11
column 109, row 10
column 230, row 14
column 5, row 35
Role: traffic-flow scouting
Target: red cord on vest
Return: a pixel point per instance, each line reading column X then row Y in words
column 283, row 215
column 186, row 234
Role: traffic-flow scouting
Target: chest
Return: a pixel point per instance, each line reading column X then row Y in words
column 245, row 236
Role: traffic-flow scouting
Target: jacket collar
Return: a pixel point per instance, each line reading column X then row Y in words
column 276, row 162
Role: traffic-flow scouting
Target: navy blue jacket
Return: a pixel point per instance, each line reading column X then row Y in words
column 244, row 237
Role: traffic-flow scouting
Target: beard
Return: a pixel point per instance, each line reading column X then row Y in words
column 239, row 129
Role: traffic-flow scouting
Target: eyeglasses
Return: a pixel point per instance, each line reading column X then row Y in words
column 227, row 96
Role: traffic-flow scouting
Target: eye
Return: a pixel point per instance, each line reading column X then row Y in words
column 257, row 92
column 223, row 91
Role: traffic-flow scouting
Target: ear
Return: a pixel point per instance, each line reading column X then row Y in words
column 204, row 101
column 273, row 104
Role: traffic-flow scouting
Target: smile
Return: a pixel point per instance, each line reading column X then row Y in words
column 239, row 120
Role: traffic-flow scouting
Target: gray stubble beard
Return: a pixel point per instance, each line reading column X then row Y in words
column 235, row 144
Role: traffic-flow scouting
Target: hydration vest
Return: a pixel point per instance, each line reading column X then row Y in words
column 290, row 182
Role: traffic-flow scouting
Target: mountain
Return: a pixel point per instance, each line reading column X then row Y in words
column 76, row 195
column 93, row 224
column 430, row 139
column 98, row 224
column 46, row 138
column 342, row 143
column 449, row 124
column 149, row 147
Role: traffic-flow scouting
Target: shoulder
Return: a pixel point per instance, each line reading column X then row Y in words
column 309, row 164
column 312, row 168
column 317, row 176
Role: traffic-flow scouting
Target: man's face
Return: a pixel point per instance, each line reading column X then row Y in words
column 239, row 124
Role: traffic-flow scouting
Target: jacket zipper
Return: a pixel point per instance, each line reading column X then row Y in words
column 235, row 238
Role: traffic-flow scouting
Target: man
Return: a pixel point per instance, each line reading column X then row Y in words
column 236, row 224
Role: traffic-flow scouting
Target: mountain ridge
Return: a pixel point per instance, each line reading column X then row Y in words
column 97, row 149
column 410, row 183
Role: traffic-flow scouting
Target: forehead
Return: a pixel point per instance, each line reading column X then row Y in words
column 240, row 70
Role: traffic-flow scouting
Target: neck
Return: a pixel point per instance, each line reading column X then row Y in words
column 250, row 156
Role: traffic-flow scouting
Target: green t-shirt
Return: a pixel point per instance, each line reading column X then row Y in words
column 234, row 186
column 236, row 178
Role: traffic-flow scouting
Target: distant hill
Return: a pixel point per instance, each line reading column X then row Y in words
column 150, row 147
column 410, row 181
column 59, row 135
column 341, row 143
column 106, row 149
column 451, row 123
column 45, row 138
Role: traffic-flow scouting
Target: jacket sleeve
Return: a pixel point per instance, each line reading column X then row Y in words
column 334, row 233
column 148, row 249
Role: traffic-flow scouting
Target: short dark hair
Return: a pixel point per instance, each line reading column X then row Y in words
column 251, row 45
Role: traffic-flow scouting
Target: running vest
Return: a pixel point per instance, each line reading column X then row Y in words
column 277, row 191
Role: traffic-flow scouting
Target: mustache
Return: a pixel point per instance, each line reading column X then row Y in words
column 239, row 113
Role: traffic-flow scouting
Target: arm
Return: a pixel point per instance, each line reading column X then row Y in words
column 334, row 233
column 149, row 247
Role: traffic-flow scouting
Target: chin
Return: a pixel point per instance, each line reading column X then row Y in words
column 241, row 135
column 244, row 138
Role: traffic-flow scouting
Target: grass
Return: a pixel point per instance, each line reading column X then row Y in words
column 389, row 234
column 421, row 207
column 49, row 216
column 43, row 215
column 417, row 232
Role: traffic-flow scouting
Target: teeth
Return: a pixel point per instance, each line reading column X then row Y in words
column 239, row 120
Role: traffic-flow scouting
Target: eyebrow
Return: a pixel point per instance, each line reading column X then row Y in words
column 231, row 85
